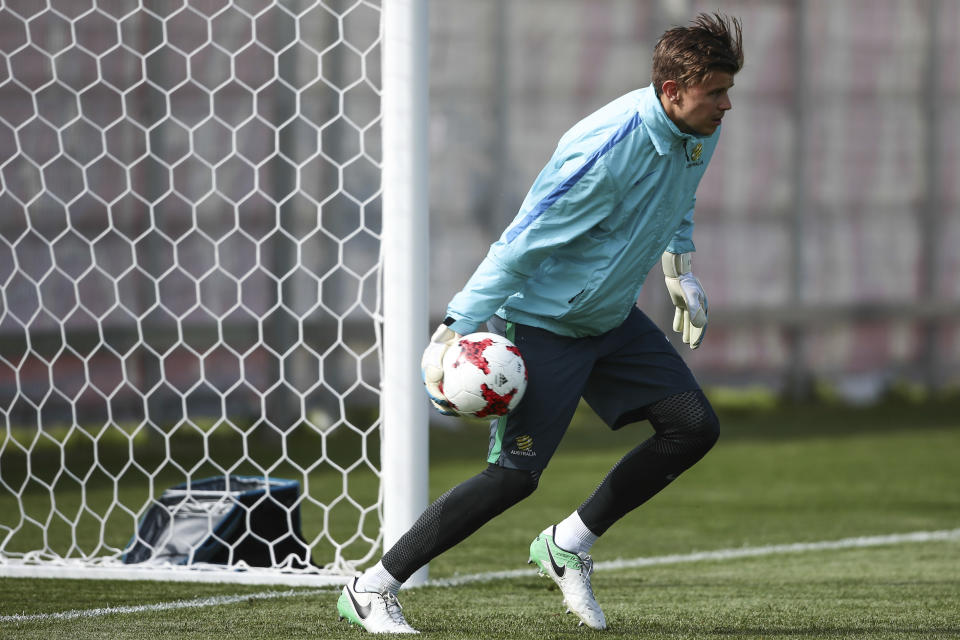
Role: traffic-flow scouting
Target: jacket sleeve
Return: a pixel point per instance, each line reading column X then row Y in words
column 562, row 204
column 682, row 241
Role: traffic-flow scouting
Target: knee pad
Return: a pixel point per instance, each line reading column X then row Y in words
column 686, row 419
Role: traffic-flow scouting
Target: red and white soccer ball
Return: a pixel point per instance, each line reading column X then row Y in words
column 483, row 375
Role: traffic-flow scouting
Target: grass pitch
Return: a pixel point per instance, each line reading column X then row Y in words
column 777, row 476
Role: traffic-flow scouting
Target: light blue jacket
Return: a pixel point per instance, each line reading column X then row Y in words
column 618, row 192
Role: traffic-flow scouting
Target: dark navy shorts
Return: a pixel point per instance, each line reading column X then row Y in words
column 618, row 373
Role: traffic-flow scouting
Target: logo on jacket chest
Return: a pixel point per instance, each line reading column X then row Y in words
column 693, row 157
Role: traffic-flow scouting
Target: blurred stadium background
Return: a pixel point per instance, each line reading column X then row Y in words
column 190, row 213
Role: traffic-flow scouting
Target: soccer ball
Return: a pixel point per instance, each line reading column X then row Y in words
column 483, row 375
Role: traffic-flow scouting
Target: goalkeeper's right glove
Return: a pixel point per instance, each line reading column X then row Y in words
column 431, row 367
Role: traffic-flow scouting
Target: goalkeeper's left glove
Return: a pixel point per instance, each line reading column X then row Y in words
column 690, row 317
column 431, row 367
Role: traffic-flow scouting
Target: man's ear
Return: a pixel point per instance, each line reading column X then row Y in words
column 671, row 90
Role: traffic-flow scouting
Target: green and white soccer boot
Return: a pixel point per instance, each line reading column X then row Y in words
column 374, row 612
column 571, row 572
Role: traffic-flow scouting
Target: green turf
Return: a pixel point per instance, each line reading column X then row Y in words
column 777, row 476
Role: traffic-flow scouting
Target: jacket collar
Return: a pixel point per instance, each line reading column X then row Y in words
column 663, row 132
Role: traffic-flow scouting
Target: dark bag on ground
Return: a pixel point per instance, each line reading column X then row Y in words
column 223, row 520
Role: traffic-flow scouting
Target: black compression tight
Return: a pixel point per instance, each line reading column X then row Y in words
column 686, row 428
column 457, row 514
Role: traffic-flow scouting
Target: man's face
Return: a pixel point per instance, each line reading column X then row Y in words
column 698, row 109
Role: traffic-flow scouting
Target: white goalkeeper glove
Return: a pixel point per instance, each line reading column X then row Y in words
column 687, row 296
column 431, row 367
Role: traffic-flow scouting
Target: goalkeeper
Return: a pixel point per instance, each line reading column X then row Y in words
column 562, row 283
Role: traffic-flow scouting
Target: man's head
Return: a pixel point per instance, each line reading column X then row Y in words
column 693, row 69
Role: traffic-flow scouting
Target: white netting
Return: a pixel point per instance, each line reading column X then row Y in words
column 189, row 240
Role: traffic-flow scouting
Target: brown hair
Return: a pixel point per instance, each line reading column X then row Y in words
column 689, row 54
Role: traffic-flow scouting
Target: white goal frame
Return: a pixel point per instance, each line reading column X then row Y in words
column 402, row 326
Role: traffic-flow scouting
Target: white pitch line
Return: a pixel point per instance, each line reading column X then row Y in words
column 722, row 554
column 697, row 556
column 196, row 603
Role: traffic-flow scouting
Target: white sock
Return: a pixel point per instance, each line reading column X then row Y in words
column 573, row 535
column 376, row 579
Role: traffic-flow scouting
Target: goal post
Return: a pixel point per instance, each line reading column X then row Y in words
column 213, row 269
column 405, row 266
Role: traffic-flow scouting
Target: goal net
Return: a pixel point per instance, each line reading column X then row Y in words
column 190, row 225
